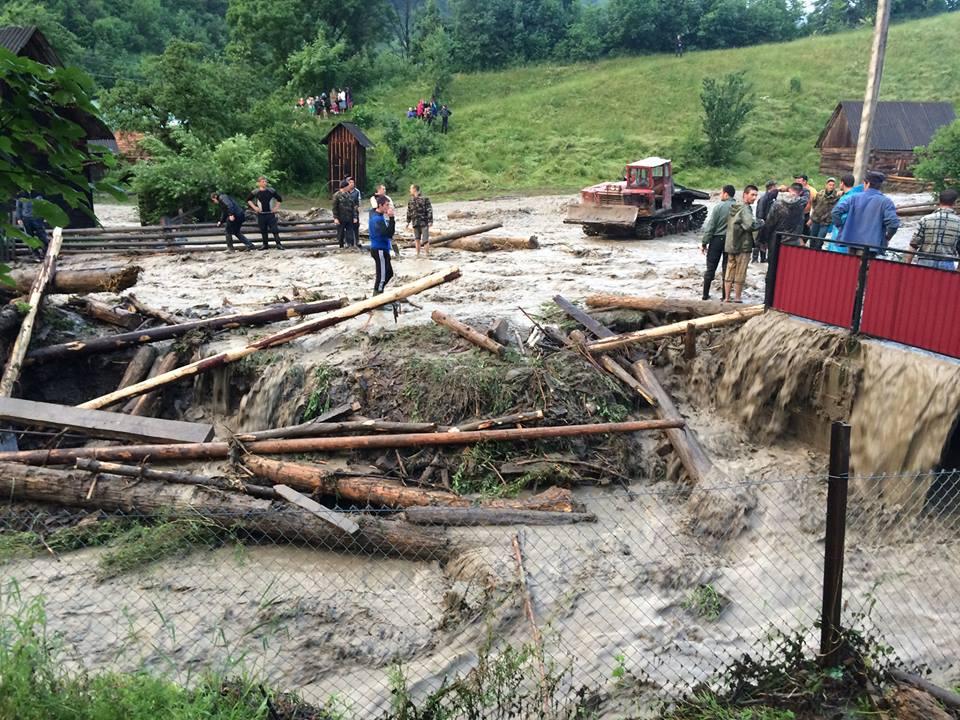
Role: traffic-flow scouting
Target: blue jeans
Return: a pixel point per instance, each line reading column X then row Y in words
column 820, row 231
column 939, row 264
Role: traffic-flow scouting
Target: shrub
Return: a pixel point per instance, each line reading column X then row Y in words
column 939, row 162
column 409, row 140
column 726, row 104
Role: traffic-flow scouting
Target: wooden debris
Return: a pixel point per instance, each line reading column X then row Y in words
column 393, row 538
column 312, row 506
column 467, row 332
column 11, row 371
column 147, row 311
column 947, row 697
column 491, row 243
column 465, row 517
column 703, row 323
column 322, row 419
column 679, row 306
column 146, row 405
column 320, row 429
column 280, row 338
column 690, row 342
column 183, row 477
column 499, row 330
column 99, row 423
column 515, row 419
column 149, row 335
column 105, row 313
column 612, row 367
column 442, row 240
column 70, row 282
column 139, row 366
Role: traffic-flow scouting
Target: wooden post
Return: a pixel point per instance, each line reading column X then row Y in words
column 467, row 332
column 690, row 342
column 874, row 77
column 830, row 628
column 861, row 290
column 450, row 237
column 47, row 271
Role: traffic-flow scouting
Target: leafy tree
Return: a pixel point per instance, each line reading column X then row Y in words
column 484, row 33
column 28, row 12
column 405, row 14
column 42, row 145
column 726, row 104
column 318, row 65
column 939, row 162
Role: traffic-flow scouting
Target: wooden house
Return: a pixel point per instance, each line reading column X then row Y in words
column 347, row 154
column 29, row 42
column 898, row 128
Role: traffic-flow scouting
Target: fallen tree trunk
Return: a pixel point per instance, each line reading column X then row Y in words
column 612, row 367
column 220, row 450
column 466, row 517
column 233, row 511
column 280, row 338
column 319, row 429
column 168, row 332
column 703, row 323
column 392, row 494
column 489, row 243
column 450, row 237
column 139, row 366
column 105, row 313
column 69, row 282
column 147, row 311
column 146, row 405
column 11, row 371
column 467, row 332
column 515, row 419
column 183, row 477
column 322, row 419
column 682, row 306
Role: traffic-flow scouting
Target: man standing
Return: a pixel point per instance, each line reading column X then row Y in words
column 786, row 217
column 231, row 215
column 764, row 203
column 356, row 197
column 938, row 234
column 265, row 202
column 31, row 224
column 714, row 238
column 848, row 186
column 868, row 219
column 344, row 213
column 809, row 195
column 445, row 114
column 420, row 216
column 820, row 214
column 381, row 226
column 741, row 226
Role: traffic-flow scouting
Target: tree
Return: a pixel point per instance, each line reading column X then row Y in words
column 318, row 65
column 42, row 145
column 939, row 162
column 484, row 33
column 726, row 104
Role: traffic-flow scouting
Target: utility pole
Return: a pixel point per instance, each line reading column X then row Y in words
column 874, row 76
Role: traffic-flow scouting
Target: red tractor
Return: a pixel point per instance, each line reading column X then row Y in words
column 645, row 204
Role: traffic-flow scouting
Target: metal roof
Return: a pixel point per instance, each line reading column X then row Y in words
column 16, row 39
column 897, row 125
column 353, row 130
column 652, row 161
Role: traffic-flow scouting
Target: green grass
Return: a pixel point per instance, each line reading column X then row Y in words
column 560, row 127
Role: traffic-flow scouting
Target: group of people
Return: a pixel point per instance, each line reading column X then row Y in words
column 264, row 201
column 339, row 101
column 430, row 111
column 852, row 218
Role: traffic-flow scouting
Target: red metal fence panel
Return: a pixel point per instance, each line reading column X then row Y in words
column 914, row 305
column 817, row 284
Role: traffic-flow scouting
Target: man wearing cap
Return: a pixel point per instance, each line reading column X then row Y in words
column 820, row 214
column 938, row 234
column 344, row 213
column 867, row 219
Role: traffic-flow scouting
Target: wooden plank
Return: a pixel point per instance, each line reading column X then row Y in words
column 312, row 506
column 100, row 423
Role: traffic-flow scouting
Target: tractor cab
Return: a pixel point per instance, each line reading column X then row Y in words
column 649, row 183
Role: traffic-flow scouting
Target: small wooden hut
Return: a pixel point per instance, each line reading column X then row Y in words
column 347, row 154
column 898, row 128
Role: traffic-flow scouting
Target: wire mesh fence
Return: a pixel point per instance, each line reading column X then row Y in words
column 664, row 589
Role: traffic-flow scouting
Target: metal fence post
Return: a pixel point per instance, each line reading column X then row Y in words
column 838, row 482
column 773, row 257
column 861, row 289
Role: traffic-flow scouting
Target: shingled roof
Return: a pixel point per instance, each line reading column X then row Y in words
column 897, row 125
column 353, row 130
column 29, row 42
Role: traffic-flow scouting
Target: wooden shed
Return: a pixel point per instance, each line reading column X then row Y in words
column 347, row 154
column 898, row 128
column 29, row 42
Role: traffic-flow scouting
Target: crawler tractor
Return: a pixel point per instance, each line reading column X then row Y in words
column 645, row 204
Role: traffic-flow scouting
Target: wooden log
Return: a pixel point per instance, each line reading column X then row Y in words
column 515, row 419
column 11, row 371
column 220, row 450
column 99, row 423
column 674, row 329
column 111, row 343
column 388, row 493
column 72, row 488
column 139, row 366
column 312, row 506
column 947, row 697
column 280, row 338
column 105, row 313
column 183, row 477
column 467, row 332
column 472, row 516
column 147, row 311
column 173, row 234
column 146, row 405
column 680, row 306
column 442, row 240
column 499, row 330
column 322, row 419
column 185, row 227
column 320, row 429
column 611, row 366
column 690, row 342
column 69, row 282
column 491, row 243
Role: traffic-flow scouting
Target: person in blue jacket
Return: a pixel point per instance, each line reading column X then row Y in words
column 868, row 218
column 382, row 225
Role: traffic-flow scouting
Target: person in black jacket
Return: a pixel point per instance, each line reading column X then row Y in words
column 232, row 215
column 764, row 203
column 265, row 201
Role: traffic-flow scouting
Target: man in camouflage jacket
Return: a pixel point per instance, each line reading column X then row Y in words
column 420, row 217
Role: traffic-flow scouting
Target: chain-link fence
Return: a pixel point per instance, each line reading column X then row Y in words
column 663, row 588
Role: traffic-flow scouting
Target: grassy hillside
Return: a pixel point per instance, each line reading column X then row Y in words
column 557, row 128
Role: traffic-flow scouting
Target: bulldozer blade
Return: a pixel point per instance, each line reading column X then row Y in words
column 623, row 215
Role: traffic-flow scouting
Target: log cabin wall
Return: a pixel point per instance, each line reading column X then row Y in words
column 346, row 157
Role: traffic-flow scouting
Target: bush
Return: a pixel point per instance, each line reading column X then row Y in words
column 409, row 139
column 294, row 139
column 939, row 162
column 726, row 104
column 182, row 178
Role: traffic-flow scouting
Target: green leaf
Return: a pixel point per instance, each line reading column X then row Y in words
column 53, row 214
